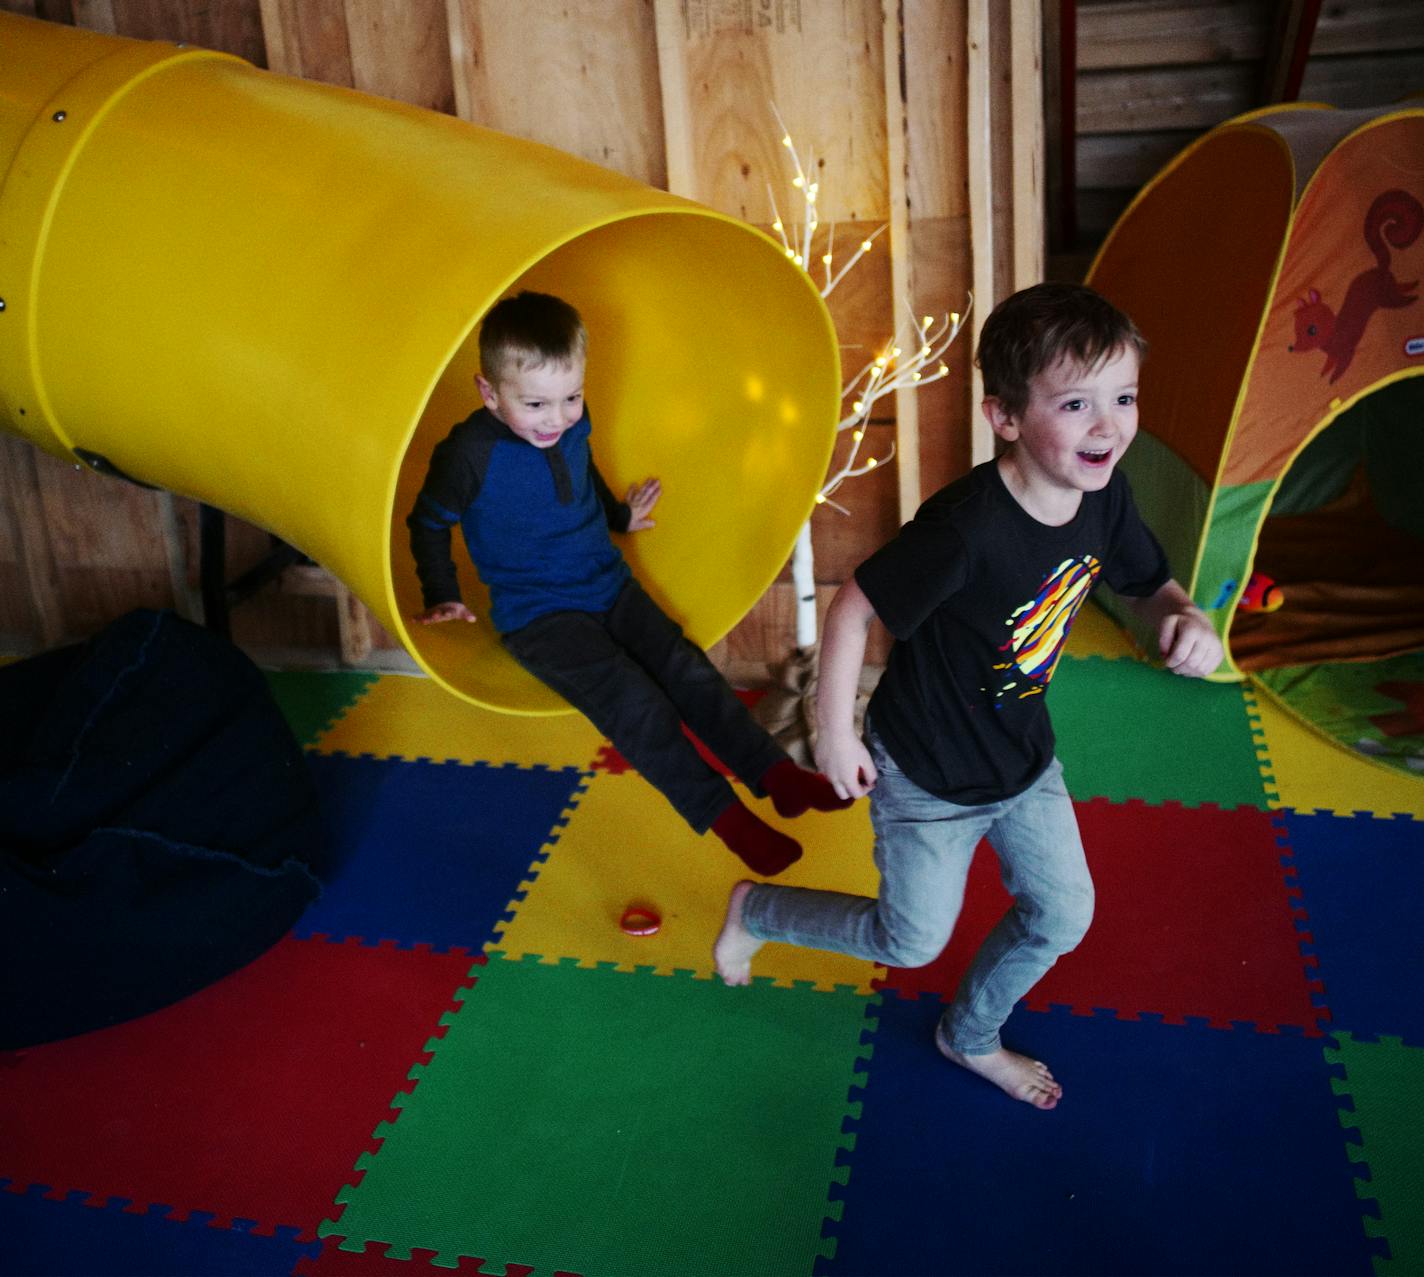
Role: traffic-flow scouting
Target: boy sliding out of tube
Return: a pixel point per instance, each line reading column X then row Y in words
column 518, row 477
column 979, row 591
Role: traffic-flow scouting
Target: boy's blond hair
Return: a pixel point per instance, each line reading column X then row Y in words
column 1036, row 327
column 527, row 331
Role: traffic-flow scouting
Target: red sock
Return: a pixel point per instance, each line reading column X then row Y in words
column 794, row 790
column 761, row 847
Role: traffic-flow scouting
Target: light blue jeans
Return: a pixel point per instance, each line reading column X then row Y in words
column 923, row 847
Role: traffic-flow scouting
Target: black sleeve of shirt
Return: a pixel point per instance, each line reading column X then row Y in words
column 451, row 484
column 1137, row 566
column 911, row 575
column 618, row 513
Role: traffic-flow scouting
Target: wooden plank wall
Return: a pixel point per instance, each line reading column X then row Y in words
column 675, row 93
column 1154, row 74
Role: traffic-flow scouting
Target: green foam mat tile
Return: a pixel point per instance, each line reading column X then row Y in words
column 619, row 1123
column 1128, row 730
column 312, row 701
column 1384, row 1081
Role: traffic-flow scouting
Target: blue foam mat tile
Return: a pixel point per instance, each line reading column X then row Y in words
column 429, row 853
column 48, row 1237
column 1176, row 1149
column 1359, row 881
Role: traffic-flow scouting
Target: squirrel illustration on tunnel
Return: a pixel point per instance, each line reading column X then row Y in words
column 1394, row 221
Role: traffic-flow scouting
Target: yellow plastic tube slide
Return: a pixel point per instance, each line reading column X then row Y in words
column 263, row 293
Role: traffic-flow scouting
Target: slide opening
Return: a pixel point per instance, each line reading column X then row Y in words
column 710, row 365
column 1344, row 541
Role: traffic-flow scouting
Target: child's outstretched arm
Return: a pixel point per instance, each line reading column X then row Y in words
column 450, row 485
column 1188, row 643
column 841, row 755
column 641, row 499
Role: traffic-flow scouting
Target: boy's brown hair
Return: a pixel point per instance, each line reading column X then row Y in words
column 1036, row 327
column 529, row 330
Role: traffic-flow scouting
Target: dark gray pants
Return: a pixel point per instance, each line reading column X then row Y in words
column 632, row 672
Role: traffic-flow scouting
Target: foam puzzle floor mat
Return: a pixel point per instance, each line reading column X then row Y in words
column 458, row 1061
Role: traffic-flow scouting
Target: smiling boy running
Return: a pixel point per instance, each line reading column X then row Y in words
column 979, row 591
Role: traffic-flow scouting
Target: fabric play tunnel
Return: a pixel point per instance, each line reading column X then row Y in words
column 263, row 293
column 1274, row 267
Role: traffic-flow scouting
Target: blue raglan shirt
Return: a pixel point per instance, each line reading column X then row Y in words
column 536, row 521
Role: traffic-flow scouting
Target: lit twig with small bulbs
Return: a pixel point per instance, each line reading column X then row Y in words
column 887, row 373
column 890, row 371
column 799, row 249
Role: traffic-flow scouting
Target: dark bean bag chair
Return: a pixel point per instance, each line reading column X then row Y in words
column 157, row 825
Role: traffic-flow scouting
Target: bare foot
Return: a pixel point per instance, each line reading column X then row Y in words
column 732, row 954
column 1014, row 1074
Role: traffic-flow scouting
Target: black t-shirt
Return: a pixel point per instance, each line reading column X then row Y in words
column 979, row 596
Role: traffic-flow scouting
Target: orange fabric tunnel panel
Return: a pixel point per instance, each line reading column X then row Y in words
column 1275, row 267
column 263, row 293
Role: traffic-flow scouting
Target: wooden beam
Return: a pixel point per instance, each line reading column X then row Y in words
column 1068, row 122
column 282, row 56
column 1058, row 138
column 354, row 626
column 1026, row 58
column 462, row 17
column 981, row 211
column 1289, row 50
column 677, row 106
column 187, row 601
column 907, row 402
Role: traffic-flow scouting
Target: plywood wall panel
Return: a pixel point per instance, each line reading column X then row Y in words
column 941, row 272
column 34, row 610
column 843, row 541
column 581, row 78
column 820, row 64
column 860, row 306
column 943, row 278
column 233, row 26
column 401, row 51
column 103, row 522
column 934, row 70
column 308, row 38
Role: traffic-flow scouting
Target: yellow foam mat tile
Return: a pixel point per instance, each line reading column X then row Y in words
column 1095, row 633
column 625, row 845
column 1306, row 772
column 407, row 716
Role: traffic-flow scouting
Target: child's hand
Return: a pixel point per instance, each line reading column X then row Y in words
column 846, row 763
column 455, row 611
column 641, row 499
column 1189, row 645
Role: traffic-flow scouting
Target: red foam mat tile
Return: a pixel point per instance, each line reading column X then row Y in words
column 251, row 1100
column 1194, row 919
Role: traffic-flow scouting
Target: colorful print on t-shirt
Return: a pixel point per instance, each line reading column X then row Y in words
column 1040, row 628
